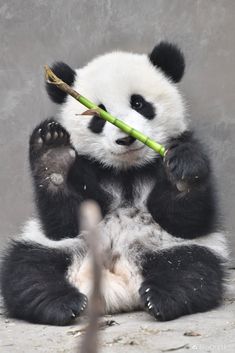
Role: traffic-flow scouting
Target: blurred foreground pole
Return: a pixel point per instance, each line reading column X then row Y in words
column 90, row 217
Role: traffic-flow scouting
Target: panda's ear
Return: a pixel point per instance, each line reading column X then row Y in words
column 169, row 58
column 67, row 74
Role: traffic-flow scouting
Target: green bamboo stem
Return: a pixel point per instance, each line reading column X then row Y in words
column 53, row 79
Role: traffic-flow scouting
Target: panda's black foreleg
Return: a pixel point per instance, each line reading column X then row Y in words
column 180, row 281
column 34, row 285
column 51, row 157
column 183, row 200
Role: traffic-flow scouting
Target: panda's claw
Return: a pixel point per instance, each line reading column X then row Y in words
column 85, row 301
column 84, row 304
column 150, row 302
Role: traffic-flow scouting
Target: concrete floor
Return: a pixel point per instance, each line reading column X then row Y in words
column 213, row 331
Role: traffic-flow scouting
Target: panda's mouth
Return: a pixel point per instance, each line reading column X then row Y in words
column 127, row 152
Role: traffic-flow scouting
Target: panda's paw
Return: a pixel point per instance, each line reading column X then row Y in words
column 185, row 164
column 158, row 304
column 64, row 310
column 49, row 134
column 51, row 155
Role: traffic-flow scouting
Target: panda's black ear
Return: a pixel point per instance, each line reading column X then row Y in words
column 169, row 58
column 67, row 74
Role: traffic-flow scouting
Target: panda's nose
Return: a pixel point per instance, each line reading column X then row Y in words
column 125, row 141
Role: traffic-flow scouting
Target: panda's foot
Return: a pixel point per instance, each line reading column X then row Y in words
column 58, row 309
column 162, row 306
column 62, row 310
column 51, row 155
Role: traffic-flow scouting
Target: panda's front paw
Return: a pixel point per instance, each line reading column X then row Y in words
column 47, row 135
column 51, row 155
column 185, row 164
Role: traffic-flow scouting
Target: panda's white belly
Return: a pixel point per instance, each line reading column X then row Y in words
column 124, row 235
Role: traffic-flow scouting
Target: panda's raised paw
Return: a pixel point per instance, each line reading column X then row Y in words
column 184, row 163
column 51, row 155
column 50, row 133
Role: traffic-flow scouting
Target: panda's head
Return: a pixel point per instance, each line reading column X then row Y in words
column 139, row 89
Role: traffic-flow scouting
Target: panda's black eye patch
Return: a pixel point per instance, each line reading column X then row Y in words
column 139, row 104
column 97, row 124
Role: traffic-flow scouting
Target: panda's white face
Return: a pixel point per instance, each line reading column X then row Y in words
column 132, row 89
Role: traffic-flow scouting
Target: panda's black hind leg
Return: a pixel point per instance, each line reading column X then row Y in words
column 51, row 158
column 35, row 288
column 180, row 281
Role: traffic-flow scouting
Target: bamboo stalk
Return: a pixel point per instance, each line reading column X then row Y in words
column 53, row 79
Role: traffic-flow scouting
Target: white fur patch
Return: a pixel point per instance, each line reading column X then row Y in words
column 33, row 233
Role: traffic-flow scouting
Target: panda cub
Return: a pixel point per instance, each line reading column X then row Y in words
column 162, row 248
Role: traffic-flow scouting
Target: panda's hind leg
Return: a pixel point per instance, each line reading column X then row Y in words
column 180, row 281
column 35, row 288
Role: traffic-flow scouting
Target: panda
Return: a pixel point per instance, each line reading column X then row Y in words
column 163, row 247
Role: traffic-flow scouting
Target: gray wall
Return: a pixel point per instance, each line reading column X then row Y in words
column 33, row 33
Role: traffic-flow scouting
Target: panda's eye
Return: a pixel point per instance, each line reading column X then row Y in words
column 143, row 107
column 137, row 102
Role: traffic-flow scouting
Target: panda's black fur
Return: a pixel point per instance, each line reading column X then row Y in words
column 163, row 250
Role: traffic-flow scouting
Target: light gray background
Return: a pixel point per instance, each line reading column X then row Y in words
column 33, row 33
